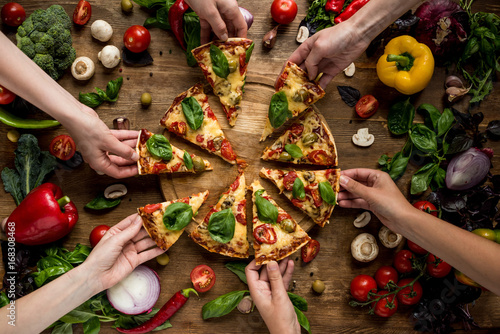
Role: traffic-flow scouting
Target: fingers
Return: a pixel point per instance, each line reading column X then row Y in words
column 301, row 53
column 276, row 281
column 287, row 276
column 354, row 204
column 205, row 31
column 119, row 161
column 252, row 274
column 325, row 80
column 239, row 25
column 217, row 23
column 141, row 235
column 149, row 254
column 121, row 235
column 359, row 174
column 144, row 244
column 114, row 146
column 125, row 134
column 118, row 172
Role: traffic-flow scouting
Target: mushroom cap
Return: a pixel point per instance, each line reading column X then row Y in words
column 101, row 30
column 116, row 190
column 363, row 138
column 388, row 238
column 83, row 68
column 362, row 220
column 364, row 247
column 109, row 56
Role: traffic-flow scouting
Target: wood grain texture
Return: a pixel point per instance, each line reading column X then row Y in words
column 165, row 79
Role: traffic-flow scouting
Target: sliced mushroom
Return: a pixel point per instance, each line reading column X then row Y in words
column 364, row 247
column 302, row 34
column 246, row 305
column 121, row 123
column 115, row 191
column 362, row 220
column 363, row 138
column 349, row 70
column 83, row 68
column 388, row 238
column 101, row 30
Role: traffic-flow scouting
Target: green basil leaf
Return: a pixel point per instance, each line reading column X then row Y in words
column 193, row 112
column 49, row 274
column 78, row 255
column 259, row 192
column 222, row 305
column 398, row 165
column 163, row 326
column 221, row 225
column 438, row 180
column 177, row 216
column 159, row 147
column 400, row 117
column 63, row 328
column 423, row 138
column 101, row 203
column 188, row 161
column 267, row 212
column 248, row 52
column 294, row 151
column 238, row 268
column 422, row 178
column 113, row 88
column 383, row 160
column 92, row 326
column 327, row 193
column 91, row 100
column 298, row 189
column 298, row 301
column 192, row 30
column 4, row 300
column 219, row 62
column 278, row 110
column 79, row 315
column 304, row 323
column 149, row 3
column 431, row 115
column 445, row 122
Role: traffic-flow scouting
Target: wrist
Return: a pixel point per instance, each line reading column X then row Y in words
column 83, row 276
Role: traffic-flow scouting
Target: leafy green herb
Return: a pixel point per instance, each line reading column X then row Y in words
column 93, row 100
column 317, row 18
column 298, row 301
column 421, row 180
column 304, row 323
column 4, row 300
column 400, row 117
column 101, row 203
column 298, row 191
column 222, row 305
column 149, row 3
column 193, row 112
column 278, row 110
column 221, row 225
column 431, row 115
column 248, row 52
column 445, row 122
column 159, row 147
column 294, row 151
column 192, row 30
column 238, row 268
column 267, row 212
column 219, row 62
column 327, row 193
column 92, row 326
column 187, row 160
column 423, row 138
column 177, row 216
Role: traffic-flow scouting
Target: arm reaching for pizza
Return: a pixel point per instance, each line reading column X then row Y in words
column 375, row 191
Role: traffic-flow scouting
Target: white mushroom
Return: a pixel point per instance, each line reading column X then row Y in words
column 363, row 138
column 388, row 238
column 364, row 247
column 302, row 34
column 109, row 56
column 83, row 68
column 349, row 70
column 101, row 30
column 4, row 222
column 362, row 220
column 115, row 191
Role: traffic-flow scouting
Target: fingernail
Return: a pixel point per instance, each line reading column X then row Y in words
column 135, row 156
column 343, row 180
column 273, row 265
column 223, row 36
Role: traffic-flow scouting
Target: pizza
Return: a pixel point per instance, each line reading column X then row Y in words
column 276, row 234
column 202, row 128
column 307, row 140
column 166, row 221
column 294, row 94
column 315, row 193
column 165, row 158
column 224, row 229
column 224, row 65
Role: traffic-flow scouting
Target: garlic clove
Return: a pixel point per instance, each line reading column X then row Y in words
column 270, row 37
column 350, row 70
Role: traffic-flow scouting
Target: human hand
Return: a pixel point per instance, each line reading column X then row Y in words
column 221, row 16
column 268, row 291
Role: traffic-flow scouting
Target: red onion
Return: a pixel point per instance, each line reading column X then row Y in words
column 247, row 16
column 467, row 169
column 137, row 293
column 443, row 27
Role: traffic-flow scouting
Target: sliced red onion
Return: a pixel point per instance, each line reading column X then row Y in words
column 137, row 293
column 248, row 16
column 467, row 169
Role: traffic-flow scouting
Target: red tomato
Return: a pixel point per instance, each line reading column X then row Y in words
column 265, row 234
column 6, row 96
column 415, row 248
column 227, row 151
column 97, row 233
column 320, row 157
column 82, row 12
column 62, row 147
column 437, row 267
column 289, row 179
column 426, row 207
column 361, row 285
column 283, row 11
column 366, row 106
column 310, row 251
column 150, row 208
column 403, row 261
column 13, row 14
column 199, row 138
column 136, row 38
column 386, row 306
column 203, row 278
column 178, row 128
column 384, row 275
column 411, row 294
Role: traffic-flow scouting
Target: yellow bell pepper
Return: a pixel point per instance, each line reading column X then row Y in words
column 406, row 65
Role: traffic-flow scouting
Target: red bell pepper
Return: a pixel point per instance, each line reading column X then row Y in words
column 176, row 20
column 44, row 216
column 334, row 6
column 350, row 10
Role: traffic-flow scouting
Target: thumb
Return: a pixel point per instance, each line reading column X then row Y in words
column 122, row 150
column 354, row 187
column 277, row 286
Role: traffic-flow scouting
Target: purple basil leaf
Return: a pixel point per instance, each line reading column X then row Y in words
column 349, row 95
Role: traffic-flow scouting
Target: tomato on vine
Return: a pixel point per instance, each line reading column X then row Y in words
column 411, row 294
column 384, row 275
column 403, row 261
column 437, row 267
column 361, row 285
column 426, row 206
column 415, row 248
column 386, row 306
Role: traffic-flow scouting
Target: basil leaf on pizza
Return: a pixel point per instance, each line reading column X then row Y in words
column 248, row 52
column 159, row 147
column 177, row 216
column 220, row 64
column 221, row 225
column 187, row 160
column 267, row 212
column 278, row 109
column 193, row 112
column 298, row 191
column 327, row 193
column 294, row 151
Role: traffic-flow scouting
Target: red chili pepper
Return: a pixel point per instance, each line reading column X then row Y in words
column 44, row 216
column 334, row 6
column 176, row 20
column 167, row 310
column 350, row 10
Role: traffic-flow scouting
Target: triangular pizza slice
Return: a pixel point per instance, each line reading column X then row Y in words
column 224, row 64
column 166, row 221
column 224, row 229
column 276, row 234
column 314, row 192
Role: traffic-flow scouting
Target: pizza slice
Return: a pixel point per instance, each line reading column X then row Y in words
column 314, row 192
column 191, row 117
column 294, row 93
column 224, row 64
column 307, row 140
column 166, row 221
column 275, row 232
column 157, row 155
column 224, row 229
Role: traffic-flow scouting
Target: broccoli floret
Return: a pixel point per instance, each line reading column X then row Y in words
column 46, row 63
column 26, row 45
column 63, row 63
column 60, row 15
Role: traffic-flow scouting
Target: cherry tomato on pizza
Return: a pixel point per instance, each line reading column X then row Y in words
column 62, row 147
column 227, row 151
column 384, row 275
column 283, row 11
column 97, row 233
column 203, row 278
column 361, row 285
column 310, row 251
column 386, row 306
column 137, row 38
column 426, row 206
column 403, row 261
column 437, row 267
column 13, row 14
column 411, row 294
column 320, row 157
column 265, row 234
column 366, row 106
column 415, row 248
column 289, row 179
column 82, row 12
column 6, row 96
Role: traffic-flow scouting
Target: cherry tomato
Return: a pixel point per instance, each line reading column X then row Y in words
column 136, row 38
column 265, row 234
column 415, row 248
column 411, row 294
column 13, row 14
column 437, row 267
column 289, row 179
column 203, row 278
column 62, row 147
column 150, row 208
column 426, row 207
column 97, row 233
column 386, row 306
column 384, row 275
column 403, row 261
column 82, row 12
column 310, row 251
column 366, row 106
column 320, row 157
column 361, row 285
column 283, row 11
column 227, row 151
column 6, row 96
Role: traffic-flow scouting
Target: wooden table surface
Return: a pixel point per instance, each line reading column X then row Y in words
column 165, row 79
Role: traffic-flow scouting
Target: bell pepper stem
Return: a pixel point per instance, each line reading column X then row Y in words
column 402, row 61
column 63, row 201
